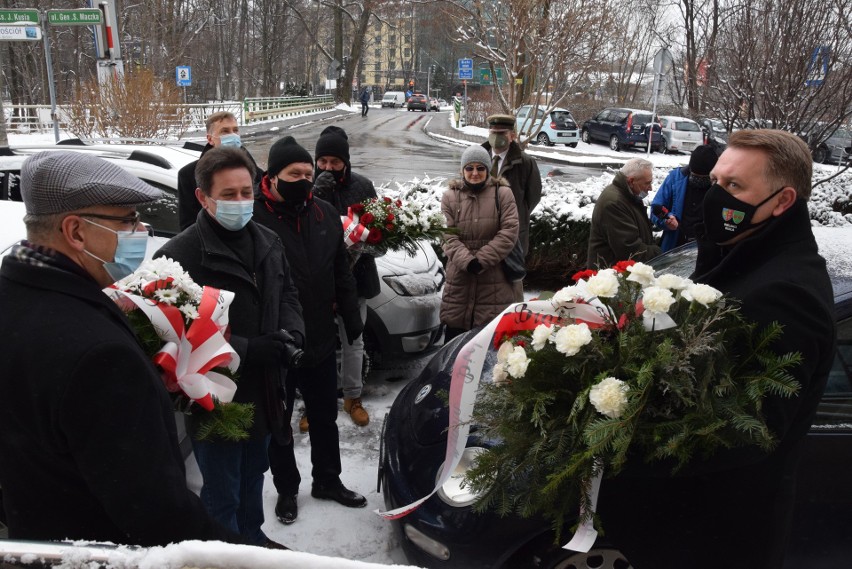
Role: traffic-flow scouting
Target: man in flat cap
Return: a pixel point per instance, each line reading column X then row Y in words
column 87, row 432
column 517, row 167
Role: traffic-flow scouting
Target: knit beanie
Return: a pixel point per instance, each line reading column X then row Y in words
column 703, row 160
column 475, row 154
column 333, row 142
column 284, row 152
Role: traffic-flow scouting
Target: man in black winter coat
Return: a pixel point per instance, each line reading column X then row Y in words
column 222, row 131
column 227, row 250
column 313, row 238
column 734, row 509
column 88, row 446
column 338, row 185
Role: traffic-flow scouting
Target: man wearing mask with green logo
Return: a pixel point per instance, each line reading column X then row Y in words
column 87, row 433
column 222, row 131
column 227, row 250
column 508, row 160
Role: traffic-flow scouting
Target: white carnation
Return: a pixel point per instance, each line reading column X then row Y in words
column 540, row 336
column 641, row 273
column 657, row 299
column 504, row 351
column 517, row 362
column 571, row 338
column 702, row 294
column 566, row 295
column 609, row 397
column 604, row 284
column 672, row 282
column 499, row 375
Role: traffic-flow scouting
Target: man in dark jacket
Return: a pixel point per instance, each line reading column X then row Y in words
column 227, row 250
column 620, row 227
column 365, row 101
column 87, row 432
column 734, row 509
column 313, row 238
column 342, row 188
column 222, row 130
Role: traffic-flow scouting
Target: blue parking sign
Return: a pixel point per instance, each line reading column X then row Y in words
column 465, row 68
column 183, row 75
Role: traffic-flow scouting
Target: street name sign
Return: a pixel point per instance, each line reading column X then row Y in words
column 22, row 16
column 20, row 33
column 465, row 68
column 82, row 17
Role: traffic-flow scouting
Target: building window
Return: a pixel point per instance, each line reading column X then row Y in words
column 392, row 52
column 378, row 52
column 392, row 64
column 407, row 52
column 392, row 38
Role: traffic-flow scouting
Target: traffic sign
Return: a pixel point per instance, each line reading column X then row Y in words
column 82, row 17
column 818, row 66
column 20, row 33
column 465, row 68
column 23, row 16
column 485, row 77
column 183, row 75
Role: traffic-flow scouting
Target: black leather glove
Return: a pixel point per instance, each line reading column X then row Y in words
column 474, row 267
column 266, row 349
column 353, row 330
column 324, row 185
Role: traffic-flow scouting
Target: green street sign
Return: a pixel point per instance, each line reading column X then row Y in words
column 19, row 16
column 485, row 77
column 83, row 17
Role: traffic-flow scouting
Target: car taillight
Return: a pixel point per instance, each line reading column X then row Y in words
column 553, row 125
column 629, row 122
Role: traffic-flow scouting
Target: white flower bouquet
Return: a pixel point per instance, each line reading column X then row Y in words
column 664, row 370
column 381, row 224
column 183, row 328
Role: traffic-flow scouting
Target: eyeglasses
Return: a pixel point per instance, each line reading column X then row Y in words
column 475, row 169
column 130, row 219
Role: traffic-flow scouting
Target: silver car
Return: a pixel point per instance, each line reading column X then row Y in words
column 680, row 134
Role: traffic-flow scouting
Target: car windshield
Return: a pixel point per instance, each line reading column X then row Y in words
column 689, row 126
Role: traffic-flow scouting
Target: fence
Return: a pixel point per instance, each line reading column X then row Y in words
column 37, row 118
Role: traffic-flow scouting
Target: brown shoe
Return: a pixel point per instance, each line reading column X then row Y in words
column 303, row 424
column 356, row 411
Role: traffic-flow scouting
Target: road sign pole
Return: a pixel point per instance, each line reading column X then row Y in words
column 51, row 87
column 465, row 101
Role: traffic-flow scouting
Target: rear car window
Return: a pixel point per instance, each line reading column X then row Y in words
column 688, row 126
column 561, row 116
column 641, row 118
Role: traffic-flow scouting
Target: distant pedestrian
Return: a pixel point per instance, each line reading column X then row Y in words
column 365, row 101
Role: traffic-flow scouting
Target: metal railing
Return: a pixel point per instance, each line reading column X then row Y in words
column 264, row 108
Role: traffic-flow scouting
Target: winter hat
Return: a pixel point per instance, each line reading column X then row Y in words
column 475, row 154
column 58, row 182
column 703, row 160
column 284, row 152
column 333, row 142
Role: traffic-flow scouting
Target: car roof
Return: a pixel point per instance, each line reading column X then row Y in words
column 675, row 118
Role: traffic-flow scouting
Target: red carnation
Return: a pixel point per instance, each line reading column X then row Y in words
column 389, row 226
column 358, row 208
column 367, row 218
column 587, row 274
column 621, row 266
column 398, row 203
column 388, row 200
column 375, row 236
column 390, row 217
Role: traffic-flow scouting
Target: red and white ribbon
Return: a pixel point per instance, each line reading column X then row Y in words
column 353, row 232
column 189, row 354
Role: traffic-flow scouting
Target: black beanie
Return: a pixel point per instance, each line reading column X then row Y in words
column 703, row 160
column 333, row 142
column 284, row 152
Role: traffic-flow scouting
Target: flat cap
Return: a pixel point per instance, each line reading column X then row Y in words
column 57, row 182
column 501, row 121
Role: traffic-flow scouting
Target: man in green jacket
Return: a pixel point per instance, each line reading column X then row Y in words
column 620, row 228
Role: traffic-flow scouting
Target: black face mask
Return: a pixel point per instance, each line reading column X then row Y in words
column 700, row 183
column 295, row 192
column 725, row 216
column 476, row 187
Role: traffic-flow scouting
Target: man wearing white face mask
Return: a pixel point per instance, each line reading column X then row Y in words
column 222, row 131
column 227, row 250
column 87, row 431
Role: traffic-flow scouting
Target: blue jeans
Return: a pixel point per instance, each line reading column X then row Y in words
column 232, row 490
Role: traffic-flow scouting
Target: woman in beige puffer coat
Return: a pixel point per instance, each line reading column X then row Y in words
column 483, row 212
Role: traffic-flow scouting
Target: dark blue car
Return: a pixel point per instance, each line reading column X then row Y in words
column 624, row 128
column 445, row 532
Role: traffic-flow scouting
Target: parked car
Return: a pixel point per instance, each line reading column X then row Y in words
column 393, row 99
column 445, row 531
column 555, row 127
column 624, row 128
column 680, row 134
column 434, row 105
column 836, row 149
column 418, row 102
column 713, row 129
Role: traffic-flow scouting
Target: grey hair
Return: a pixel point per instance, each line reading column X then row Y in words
column 41, row 228
column 634, row 166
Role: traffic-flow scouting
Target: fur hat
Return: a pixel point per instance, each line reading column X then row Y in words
column 703, row 160
column 475, row 155
column 333, row 142
column 58, row 182
column 284, row 152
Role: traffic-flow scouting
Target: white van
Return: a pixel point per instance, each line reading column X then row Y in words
column 393, row 99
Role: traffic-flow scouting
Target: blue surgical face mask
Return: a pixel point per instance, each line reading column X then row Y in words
column 234, row 215
column 230, row 140
column 129, row 252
